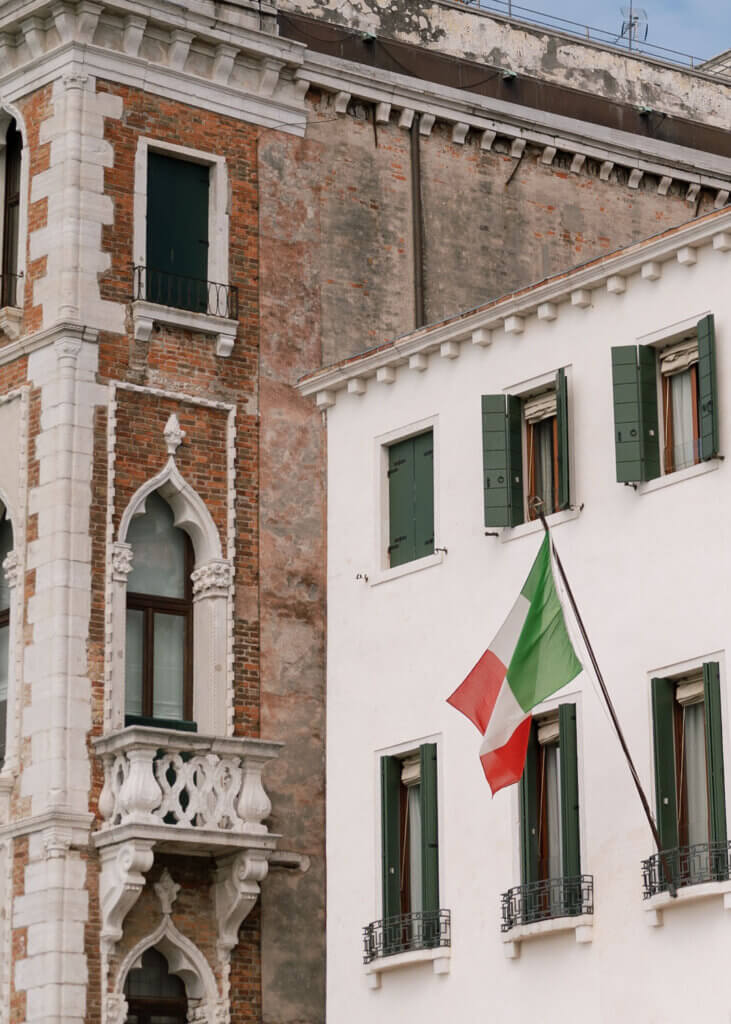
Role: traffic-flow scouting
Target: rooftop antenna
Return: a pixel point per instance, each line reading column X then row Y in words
column 634, row 24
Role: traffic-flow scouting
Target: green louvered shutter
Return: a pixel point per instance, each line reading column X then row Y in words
column 714, row 751
column 570, row 839
column 529, row 811
column 666, row 808
column 515, row 463
column 707, row 389
column 177, row 232
column 495, row 467
column 429, row 841
column 562, row 422
column 391, row 835
column 402, row 539
column 424, row 494
column 647, row 365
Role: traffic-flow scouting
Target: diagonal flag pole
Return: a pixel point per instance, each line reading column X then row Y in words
column 608, row 702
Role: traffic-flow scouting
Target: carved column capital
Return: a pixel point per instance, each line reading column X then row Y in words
column 234, row 893
column 122, row 559
column 11, row 569
column 121, row 881
column 212, row 579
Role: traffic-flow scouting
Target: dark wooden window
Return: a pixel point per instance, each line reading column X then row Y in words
column 11, row 216
column 6, row 545
column 154, row 996
column 543, row 475
column 159, row 678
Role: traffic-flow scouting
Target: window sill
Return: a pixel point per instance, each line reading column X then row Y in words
column 11, row 322
column 678, row 477
column 384, row 575
column 656, row 905
column 508, row 533
column 146, row 314
column 439, row 959
column 582, row 926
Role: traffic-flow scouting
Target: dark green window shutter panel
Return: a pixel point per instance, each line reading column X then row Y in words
column 402, row 539
column 429, row 827
column 648, row 411
column 495, row 466
column 562, row 422
column 714, row 752
column 391, row 835
column 177, row 232
column 424, row 494
column 666, row 809
column 634, row 381
column 570, row 839
column 529, row 811
column 515, row 456
column 707, row 388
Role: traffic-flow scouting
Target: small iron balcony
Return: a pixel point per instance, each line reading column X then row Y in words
column 688, row 865
column 427, row 929
column 547, row 899
column 180, row 292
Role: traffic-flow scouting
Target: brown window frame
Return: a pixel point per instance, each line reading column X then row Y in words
column 532, row 473
column 151, row 605
column 11, row 201
column 667, row 419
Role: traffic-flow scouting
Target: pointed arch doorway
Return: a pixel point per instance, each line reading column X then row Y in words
column 153, row 994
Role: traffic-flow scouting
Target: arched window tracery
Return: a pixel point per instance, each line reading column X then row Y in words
column 153, row 994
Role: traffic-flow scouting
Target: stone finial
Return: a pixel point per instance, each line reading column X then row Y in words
column 173, row 434
column 166, row 891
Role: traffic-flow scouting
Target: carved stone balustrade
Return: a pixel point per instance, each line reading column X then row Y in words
column 184, row 792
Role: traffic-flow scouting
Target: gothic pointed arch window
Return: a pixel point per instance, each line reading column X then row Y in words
column 11, row 216
column 154, row 996
column 159, row 639
column 6, row 546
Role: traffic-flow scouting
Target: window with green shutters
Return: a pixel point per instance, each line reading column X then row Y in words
column 525, row 453
column 410, row 848
column 411, row 499
column 689, row 775
column 659, row 435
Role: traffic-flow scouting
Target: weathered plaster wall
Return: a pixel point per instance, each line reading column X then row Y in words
column 490, row 39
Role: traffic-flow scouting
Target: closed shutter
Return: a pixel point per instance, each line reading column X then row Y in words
column 714, row 752
column 647, row 365
column 390, row 835
column 634, row 382
column 424, row 494
column 429, row 841
column 707, row 389
column 177, row 232
column 562, row 423
column 502, row 460
column 411, row 499
column 529, row 811
column 663, row 703
column 570, row 839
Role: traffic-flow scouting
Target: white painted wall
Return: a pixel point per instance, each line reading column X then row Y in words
column 651, row 572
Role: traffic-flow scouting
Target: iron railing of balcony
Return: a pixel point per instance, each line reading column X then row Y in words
column 544, row 900
column 183, row 292
column 427, row 929
column 9, row 289
column 687, row 865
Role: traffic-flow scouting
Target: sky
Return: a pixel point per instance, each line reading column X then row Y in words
column 698, row 27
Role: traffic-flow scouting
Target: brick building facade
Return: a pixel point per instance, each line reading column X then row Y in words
column 341, row 204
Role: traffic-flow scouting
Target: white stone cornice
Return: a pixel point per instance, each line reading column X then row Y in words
column 510, row 312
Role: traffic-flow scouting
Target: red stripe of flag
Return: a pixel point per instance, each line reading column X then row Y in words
column 504, row 766
column 476, row 696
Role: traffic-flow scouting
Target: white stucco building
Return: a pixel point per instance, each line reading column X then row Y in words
column 421, row 575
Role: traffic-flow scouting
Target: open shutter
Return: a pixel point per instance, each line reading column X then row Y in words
column 515, row 459
column 495, row 467
column 707, row 389
column 390, row 835
column 424, row 494
column 714, row 751
column 634, row 381
column 570, row 840
column 562, row 422
column 666, row 809
column 429, row 842
column 401, row 541
column 529, row 811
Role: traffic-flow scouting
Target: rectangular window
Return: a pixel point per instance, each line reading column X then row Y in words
column 410, row 850
column 11, row 217
column 686, row 374
column 525, row 447
column 177, row 232
column 689, row 781
column 411, row 499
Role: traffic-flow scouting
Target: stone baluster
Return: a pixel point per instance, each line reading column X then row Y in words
column 140, row 795
column 253, row 805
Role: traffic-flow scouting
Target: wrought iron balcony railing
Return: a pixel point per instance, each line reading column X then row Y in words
column 427, row 929
column 687, row 865
column 547, row 899
column 182, row 292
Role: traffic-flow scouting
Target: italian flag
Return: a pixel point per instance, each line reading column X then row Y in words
column 530, row 658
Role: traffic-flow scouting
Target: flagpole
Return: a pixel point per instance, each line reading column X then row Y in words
column 610, row 706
